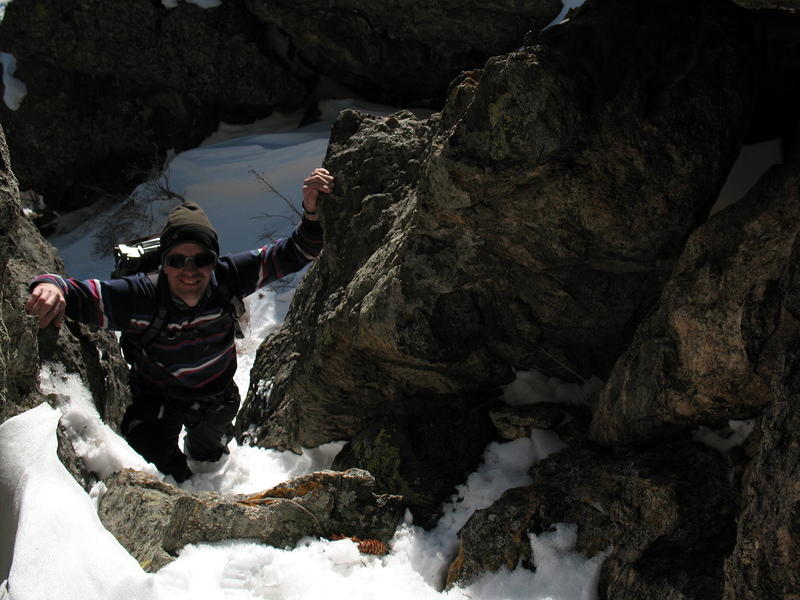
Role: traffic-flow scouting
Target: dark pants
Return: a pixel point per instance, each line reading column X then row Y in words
column 152, row 424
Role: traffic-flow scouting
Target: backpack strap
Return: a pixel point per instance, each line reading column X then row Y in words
column 133, row 346
column 233, row 302
column 159, row 317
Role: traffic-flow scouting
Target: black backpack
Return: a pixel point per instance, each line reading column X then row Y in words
column 142, row 255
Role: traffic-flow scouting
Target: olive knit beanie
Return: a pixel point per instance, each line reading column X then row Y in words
column 188, row 223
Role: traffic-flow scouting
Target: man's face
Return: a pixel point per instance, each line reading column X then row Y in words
column 188, row 282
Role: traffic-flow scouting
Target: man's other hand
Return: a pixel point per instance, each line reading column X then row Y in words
column 47, row 303
column 320, row 180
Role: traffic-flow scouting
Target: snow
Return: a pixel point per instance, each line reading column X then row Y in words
column 735, row 434
column 60, row 548
column 79, row 550
column 14, row 91
column 41, row 492
column 200, row 3
column 568, row 5
column 530, row 387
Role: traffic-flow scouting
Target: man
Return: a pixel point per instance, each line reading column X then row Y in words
column 178, row 328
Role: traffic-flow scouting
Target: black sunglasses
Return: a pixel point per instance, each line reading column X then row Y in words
column 177, row 261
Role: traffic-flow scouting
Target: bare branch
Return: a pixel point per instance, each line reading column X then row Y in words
column 135, row 216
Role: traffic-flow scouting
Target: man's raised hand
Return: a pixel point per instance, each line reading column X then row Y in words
column 47, row 303
column 320, row 180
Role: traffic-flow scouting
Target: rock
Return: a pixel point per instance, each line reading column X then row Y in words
column 9, row 214
column 381, row 47
column 582, row 229
column 356, row 380
column 112, row 85
column 423, row 457
column 711, row 351
column 664, row 517
column 72, row 462
column 532, row 225
column 514, row 422
column 154, row 520
column 766, row 560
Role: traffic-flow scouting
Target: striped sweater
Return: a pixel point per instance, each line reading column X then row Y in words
column 194, row 354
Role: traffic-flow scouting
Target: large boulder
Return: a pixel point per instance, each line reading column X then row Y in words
column 713, row 349
column 9, row 214
column 662, row 520
column 381, row 47
column 112, row 85
column 532, row 224
column 154, row 520
column 766, row 560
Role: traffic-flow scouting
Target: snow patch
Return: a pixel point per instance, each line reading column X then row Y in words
column 729, row 437
column 102, row 450
column 200, row 3
column 14, row 91
column 531, row 387
column 568, row 5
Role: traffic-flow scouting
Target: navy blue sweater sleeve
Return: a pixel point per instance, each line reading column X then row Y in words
column 257, row 268
column 103, row 303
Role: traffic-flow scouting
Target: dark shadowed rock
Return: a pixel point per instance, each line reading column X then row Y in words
column 381, row 48
column 713, row 348
column 9, row 214
column 665, row 518
column 532, row 225
column 112, row 85
column 766, row 560
column 422, row 457
column 154, row 520
column 787, row 5
column 514, row 422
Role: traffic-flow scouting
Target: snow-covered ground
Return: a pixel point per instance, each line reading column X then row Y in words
column 52, row 512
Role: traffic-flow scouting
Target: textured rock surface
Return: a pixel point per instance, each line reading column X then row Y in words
column 9, row 214
column 422, row 457
column 665, row 517
column 514, row 422
column 381, row 47
column 713, row 348
column 112, row 85
column 532, row 225
column 766, row 560
column 154, row 520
